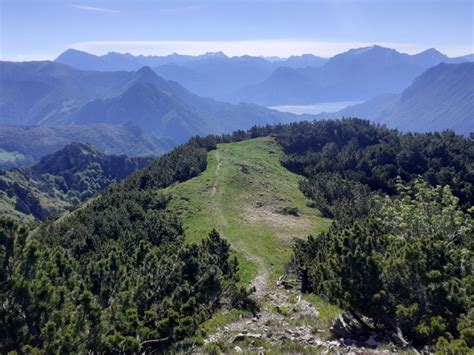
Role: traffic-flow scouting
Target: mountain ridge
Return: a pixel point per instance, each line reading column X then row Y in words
column 77, row 97
column 62, row 180
column 355, row 75
column 440, row 98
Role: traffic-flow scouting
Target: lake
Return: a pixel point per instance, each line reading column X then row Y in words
column 315, row 108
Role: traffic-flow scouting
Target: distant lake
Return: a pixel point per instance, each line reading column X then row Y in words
column 316, row 108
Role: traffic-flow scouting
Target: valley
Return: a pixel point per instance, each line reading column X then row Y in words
column 314, row 109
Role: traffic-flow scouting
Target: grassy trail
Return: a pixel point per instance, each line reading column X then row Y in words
column 245, row 194
column 255, row 203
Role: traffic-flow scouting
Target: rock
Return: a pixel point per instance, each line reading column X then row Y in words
column 237, row 349
column 241, row 336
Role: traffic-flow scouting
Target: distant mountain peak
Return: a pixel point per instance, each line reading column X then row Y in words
column 213, row 55
column 431, row 52
column 375, row 49
column 72, row 50
column 71, row 157
column 145, row 74
column 73, row 53
column 146, row 70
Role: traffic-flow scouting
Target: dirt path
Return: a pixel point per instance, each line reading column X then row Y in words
column 284, row 316
column 217, row 174
column 282, row 313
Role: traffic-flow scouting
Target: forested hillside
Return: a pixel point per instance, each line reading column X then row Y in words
column 397, row 260
column 62, row 180
column 22, row 145
column 115, row 275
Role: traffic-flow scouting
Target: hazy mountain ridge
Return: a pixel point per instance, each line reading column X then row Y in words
column 440, row 98
column 161, row 107
column 210, row 75
column 358, row 74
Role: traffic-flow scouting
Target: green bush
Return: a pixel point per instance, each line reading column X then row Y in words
column 408, row 266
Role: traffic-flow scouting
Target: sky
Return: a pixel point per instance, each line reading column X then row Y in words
column 42, row 29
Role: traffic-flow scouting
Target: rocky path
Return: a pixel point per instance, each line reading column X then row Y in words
column 284, row 317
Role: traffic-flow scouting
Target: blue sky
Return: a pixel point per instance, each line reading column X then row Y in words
column 42, row 29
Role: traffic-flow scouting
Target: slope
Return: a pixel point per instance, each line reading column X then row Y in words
column 30, row 143
column 53, row 94
column 440, row 98
column 62, row 180
column 256, row 205
column 358, row 74
column 209, row 75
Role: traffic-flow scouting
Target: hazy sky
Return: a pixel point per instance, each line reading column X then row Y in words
column 42, row 29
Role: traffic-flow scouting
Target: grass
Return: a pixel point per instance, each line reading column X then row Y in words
column 253, row 202
column 221, row 318
column 327, row 312
column 244, row 194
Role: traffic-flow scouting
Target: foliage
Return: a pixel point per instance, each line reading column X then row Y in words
column 376, row 156
column 115, row 275
column 63, row 180
column 337, row 197
column 407, row 266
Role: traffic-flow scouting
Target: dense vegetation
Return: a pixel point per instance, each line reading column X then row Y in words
column 401, row 250
column 115, row 275
column 62, row 180
column 355, row 151
column 407, row 266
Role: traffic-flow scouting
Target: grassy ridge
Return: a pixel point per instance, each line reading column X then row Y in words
column 252, row 201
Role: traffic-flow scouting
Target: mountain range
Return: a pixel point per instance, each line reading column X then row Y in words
column 440, row 98
column 46, row 105
column 54, row 94
column 212, row 75
column 356, row 75
column 62, row 180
